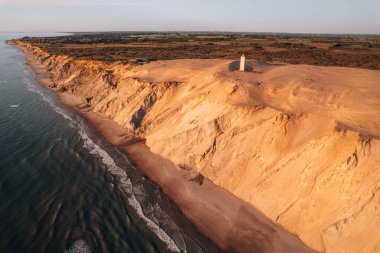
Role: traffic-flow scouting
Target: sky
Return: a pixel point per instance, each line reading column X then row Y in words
column 296, row 16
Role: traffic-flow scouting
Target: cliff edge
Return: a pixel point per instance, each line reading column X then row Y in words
column 300, row 143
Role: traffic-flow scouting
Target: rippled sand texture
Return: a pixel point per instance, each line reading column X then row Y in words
column 300, row 143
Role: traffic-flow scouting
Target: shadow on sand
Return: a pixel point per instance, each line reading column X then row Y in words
column 249, row 65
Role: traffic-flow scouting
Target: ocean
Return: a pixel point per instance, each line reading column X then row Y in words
column 63, row 188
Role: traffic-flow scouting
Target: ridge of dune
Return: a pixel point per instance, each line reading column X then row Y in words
column 298, row 142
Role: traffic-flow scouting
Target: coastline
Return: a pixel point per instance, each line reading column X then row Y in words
column 228, row 221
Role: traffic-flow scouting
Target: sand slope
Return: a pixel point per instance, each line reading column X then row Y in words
column 300, row 143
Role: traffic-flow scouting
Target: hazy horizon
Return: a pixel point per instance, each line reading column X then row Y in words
column 271, row 16
column 184, row 31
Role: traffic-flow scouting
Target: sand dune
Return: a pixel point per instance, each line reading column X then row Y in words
column 300, row 143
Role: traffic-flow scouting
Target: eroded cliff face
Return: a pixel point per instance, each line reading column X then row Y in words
column 300, row 143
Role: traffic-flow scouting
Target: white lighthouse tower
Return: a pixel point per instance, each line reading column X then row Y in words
column 242, row 63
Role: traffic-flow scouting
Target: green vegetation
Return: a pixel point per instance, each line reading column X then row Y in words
column 360, row 51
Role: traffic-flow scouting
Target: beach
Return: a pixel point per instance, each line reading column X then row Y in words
column 234, row 225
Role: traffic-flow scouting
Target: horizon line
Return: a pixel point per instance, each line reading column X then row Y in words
column 193, row 31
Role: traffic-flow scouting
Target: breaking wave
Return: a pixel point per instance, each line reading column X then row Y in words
column 124, row 183
column 79, row 246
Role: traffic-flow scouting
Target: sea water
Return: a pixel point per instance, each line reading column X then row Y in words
column 63, row 188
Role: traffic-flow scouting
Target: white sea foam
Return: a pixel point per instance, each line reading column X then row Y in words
column 31, row 87
column 14, row 106
column 79, row 246
column 125, row 185
column 156, row 214
column 124, row 182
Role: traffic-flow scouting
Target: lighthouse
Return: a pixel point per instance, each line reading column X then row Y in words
column 242, row 63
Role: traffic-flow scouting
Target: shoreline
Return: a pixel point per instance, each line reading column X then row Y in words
column 229, row 222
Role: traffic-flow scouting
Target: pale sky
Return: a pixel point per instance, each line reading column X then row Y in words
column 303, row 16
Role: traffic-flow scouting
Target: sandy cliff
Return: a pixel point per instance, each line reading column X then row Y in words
column 300, row 143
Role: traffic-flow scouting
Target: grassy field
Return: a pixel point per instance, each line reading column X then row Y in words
column 359, row 51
